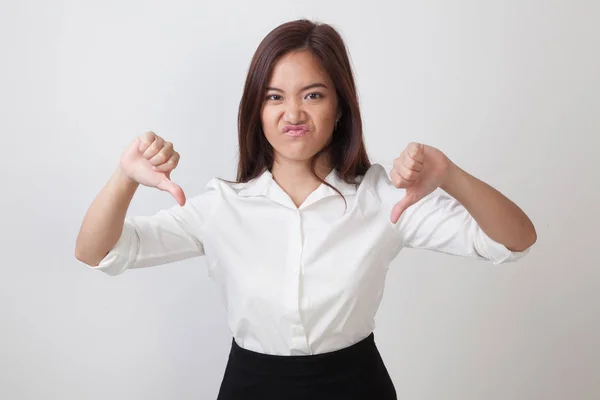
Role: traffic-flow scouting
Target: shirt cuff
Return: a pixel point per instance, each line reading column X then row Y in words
column 494, row 251
column 123, row 253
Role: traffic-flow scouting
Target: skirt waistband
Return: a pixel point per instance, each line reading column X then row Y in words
column 360, row 352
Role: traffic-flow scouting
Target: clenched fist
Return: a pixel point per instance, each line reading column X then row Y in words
column 149, row 160
column 419, row 169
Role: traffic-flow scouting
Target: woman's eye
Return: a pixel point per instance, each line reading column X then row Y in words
column 310, row 96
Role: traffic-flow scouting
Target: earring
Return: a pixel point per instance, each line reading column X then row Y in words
column 337, row 121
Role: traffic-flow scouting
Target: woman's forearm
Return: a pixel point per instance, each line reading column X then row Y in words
column 500, row 218
column 103, row 222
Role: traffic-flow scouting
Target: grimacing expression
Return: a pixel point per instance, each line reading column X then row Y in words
column 300, row 107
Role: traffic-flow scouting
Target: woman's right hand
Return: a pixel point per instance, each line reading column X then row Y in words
column 149, row 160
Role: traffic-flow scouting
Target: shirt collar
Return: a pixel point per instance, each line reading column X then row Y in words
column 265, row 185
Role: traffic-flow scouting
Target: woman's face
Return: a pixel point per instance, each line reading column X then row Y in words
column 300, row 107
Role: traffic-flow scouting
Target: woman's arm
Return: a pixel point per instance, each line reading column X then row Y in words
column 500, row 218
column 421, row 169
column 103, row 222
column 117, row 243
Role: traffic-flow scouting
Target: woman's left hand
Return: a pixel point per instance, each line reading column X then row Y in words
column 420, row 169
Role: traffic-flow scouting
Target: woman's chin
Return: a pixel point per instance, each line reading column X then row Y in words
column 296, row 155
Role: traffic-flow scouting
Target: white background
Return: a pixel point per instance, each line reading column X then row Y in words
column 509, row 90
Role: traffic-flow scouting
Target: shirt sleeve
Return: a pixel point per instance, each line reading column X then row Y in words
column 168, row 236
column 440, row 223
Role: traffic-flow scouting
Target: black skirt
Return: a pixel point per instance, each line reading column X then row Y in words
column 354, row 373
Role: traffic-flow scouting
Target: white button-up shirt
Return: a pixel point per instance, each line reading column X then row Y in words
column 300, row 280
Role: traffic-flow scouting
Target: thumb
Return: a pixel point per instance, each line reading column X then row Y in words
column 400, row 207
column 168, row 186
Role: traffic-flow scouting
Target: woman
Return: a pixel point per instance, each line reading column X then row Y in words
column 300, row 244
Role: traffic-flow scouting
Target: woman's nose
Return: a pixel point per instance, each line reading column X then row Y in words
column 294, row 112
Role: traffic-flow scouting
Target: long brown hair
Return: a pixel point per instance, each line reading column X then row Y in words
column 346, row 149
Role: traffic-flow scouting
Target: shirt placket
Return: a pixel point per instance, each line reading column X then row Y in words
column 299, row 344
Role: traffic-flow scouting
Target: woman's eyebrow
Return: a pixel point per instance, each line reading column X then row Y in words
column 311, row 86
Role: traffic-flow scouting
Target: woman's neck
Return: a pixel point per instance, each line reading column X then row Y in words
column 296, row 179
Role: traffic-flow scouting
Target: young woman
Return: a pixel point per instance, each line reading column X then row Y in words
column 300, row 244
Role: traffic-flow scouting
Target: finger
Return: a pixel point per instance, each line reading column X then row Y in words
column 398, row 180
column 409, row 174
column 416, row 151
column 146, row 139
column 154, row 148
column 400, row 207
column 168, row 186
column 170, row 165
column 163, row 155
column 413, row 164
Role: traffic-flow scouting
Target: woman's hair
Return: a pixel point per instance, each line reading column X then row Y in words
column 346, row 149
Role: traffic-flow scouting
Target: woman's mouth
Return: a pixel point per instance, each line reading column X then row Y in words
column 295, row 130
